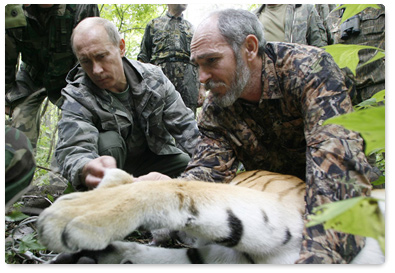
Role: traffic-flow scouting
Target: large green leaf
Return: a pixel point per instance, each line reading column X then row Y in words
column 30, row 243
column 370, row 123
column 347, row 55
column 358, row 216
column 352, row 9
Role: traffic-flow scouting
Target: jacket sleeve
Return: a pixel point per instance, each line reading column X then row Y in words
column 146, row 46
column 77, row 143
column 316, row 32
column 11, row 59
column 214, row 159
column 179, row 120
column 336, row 167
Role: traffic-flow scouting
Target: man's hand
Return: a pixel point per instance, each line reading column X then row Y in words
column 152, row 176
column 93, row 171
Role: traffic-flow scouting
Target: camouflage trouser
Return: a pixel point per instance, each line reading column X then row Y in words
column 185, row 80
column 19, row 162
column 26, row 116
column 112, row 144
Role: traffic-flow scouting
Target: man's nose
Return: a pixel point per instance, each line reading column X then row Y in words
column 204, row 76
column 97, row 68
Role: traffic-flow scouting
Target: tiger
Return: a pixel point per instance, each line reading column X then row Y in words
column 256, row 218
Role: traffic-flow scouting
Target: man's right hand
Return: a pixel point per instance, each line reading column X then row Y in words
column 93, row 171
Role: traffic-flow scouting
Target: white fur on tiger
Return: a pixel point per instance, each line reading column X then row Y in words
column 255, row 219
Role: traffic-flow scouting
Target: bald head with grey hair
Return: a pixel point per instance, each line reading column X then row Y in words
column 88, row 23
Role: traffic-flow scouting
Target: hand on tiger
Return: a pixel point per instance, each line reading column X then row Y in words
column 152, row 176
column 93, row 171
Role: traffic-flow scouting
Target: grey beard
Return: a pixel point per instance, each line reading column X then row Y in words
column 240, row 80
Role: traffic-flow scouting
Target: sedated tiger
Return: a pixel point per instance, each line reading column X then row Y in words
column 257, row 218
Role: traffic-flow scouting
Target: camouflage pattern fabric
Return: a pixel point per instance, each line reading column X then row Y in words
column 183, row 76
column 19, row 162
column 323, row 11
column 369, row 78
column 302, row 87
column 159, row 113
column 45, row 48
column 303, row 25
column 46, row 55
column 166, row 43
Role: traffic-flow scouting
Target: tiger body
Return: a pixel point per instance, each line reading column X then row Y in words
column 257, row 218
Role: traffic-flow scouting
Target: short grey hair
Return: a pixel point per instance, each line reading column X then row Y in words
column 110, row 28
column 236, row 25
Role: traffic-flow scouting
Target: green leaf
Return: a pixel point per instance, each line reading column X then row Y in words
column 379, row 96
column 353, row 9
column 29, row 242
column 50, row 198
column 379, row 181
column 358, row 216
column 372, row 102
column 347, row 55
column 370, row 123
column 69, row 188
column 15, row 216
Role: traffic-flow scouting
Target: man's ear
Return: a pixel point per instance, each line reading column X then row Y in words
column 122, row 47
column 251, row 46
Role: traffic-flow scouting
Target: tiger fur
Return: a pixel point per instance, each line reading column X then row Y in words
column 257, row 218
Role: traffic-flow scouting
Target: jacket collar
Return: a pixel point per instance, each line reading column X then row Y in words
column 173, row 17
column 270, row 83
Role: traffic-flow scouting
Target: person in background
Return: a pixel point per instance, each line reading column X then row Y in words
column 367, row 28
column 292, row 24
column 324, row 10
column 119, row 113
column 166, row 43
column 19, row 164
column 42, row 38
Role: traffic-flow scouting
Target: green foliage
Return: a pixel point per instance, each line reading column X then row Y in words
column 15, row 216
column 353, row 9
column 131, row 20
column 376, row 100
column 347, row 55
column 370, row 123
column 50, row 116
column 30, row 243
column 359, row 216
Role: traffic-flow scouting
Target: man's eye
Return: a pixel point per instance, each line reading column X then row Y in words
column 211, row 60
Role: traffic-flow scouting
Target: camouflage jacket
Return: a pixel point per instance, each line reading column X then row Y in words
column 44, row 44
column 303, row 25
column 369, row 78
column 88, row 111
column 302, row 87
column 166, row 37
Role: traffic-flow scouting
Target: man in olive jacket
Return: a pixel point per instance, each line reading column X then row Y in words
column 119, row 113
column 292, row 24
